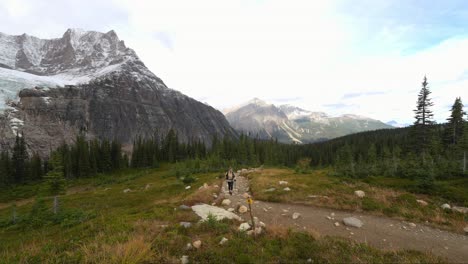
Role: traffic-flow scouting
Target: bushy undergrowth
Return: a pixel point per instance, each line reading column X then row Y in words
column 42, row 215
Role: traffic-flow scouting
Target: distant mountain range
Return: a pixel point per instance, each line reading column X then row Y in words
column 291, row 124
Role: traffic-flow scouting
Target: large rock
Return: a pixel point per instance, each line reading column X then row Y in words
column 463, row 210
column 242, row 209
column 360, row 193
column 226, row 202
column 422, row 202
column 204, row 210
column 445, row 206
column 244, row 227
column 353, row 222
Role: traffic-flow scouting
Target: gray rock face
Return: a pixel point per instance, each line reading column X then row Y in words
column 119, row 98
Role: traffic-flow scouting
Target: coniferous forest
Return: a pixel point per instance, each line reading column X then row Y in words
column 426, row 151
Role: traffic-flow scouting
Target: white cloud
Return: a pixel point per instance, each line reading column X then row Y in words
column 227, row 52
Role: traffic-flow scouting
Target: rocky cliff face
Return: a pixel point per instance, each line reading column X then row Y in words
column 89, row 81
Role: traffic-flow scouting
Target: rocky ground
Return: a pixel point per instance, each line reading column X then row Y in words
column 380, row 232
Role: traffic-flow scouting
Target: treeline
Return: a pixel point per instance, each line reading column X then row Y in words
column 424, row 151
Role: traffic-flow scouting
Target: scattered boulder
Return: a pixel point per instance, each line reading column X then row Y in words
column 205, row 185
column 287, row 189
column 296, row 216
column 204, row 210
column 126, row 190
column 353, row 222
column 258, row 230
column 360, row 193
column 187, row 187
column 188, row 246
column 270, row 190
column 263, row 224
column 413, row 225
column 244, row 227
column 337, row 224
column 246, row 195
column 197, row 244
column 463, row 210
column 242, row 209
column 226, row 202
column 283, row 182
column 446, row 206
column 223, row 241
column 422, row 202
column 184, row 260
column 185, row 224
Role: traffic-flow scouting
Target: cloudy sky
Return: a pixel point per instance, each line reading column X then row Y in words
column 365, row 57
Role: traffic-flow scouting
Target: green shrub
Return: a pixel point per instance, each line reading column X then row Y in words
column 391, row 211
column 369, row 204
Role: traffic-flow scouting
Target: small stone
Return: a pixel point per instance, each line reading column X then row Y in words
column 263, row 224
column 332, row 214
column 184, row 207
column 223, row 241
column 446, row 206
column 283, row 182
column 197, row 244
column 205, row 185
column 285, row 211
column 184, row 260
column 351, row 233
column 147, row 186
column 231, row 209
column 187, row 187
column 258, row 230
column 213, row 204
column 360, row 193
column 264, row 209
column 226, row 202
column 287, row 189
column 270, row 190
column 245, row 195
column 185, row 224
column 353, row 222
column 296, row 216
column 412, row 225
column 422, row 202
column 126, row 190
column 328, row 217
column 242, row 209
column 466, row 230
column 337, row 224
column 188, row 246
column 244, row 227
column 309, row 260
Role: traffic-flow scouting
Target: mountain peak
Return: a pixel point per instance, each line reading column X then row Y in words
column 259, row 102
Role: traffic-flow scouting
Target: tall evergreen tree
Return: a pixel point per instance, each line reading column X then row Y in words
column 19, row 159
column 456, row 123
column 424, row 119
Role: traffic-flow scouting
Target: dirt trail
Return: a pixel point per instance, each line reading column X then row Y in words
column 380, row 232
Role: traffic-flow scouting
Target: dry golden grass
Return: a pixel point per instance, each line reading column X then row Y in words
column 135, row 250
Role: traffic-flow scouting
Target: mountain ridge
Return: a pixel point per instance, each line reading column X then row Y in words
column 90, row 82
column 292, row 124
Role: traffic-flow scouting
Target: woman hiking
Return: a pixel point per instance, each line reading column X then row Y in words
column 230, row 178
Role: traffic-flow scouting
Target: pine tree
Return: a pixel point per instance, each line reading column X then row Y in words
column 19, row 159
column 55, row 177
column 421, row 133
column 456, row 123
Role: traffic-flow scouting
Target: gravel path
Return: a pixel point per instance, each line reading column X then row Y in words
column 380, row 232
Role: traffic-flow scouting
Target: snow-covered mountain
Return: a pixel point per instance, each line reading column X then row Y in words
column 293, row 124
column 51, row 89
